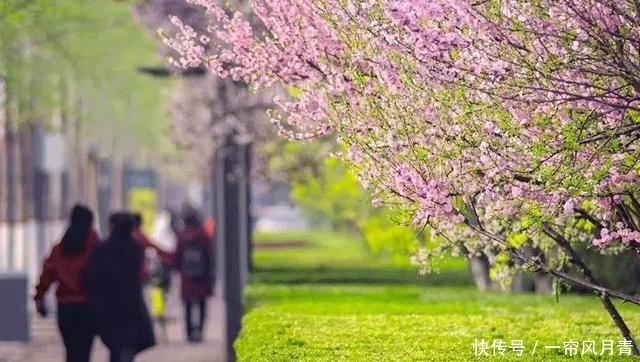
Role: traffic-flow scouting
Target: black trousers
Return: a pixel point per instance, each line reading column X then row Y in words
column 195, row 328
column 122, row 354
column 77, row 327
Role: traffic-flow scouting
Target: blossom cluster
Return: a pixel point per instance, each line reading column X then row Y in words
column 509, row 116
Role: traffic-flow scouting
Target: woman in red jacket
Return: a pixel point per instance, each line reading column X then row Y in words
column 65, row 266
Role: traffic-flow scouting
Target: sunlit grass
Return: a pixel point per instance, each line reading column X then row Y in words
column 331, row 300
column 382, row 323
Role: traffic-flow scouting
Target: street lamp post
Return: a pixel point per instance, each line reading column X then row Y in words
column 230, row 185
column 227, row 183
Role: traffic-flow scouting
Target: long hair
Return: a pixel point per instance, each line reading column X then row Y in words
column 74, row 239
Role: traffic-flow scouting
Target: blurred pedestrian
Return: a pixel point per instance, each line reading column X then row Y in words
column 65, row 266
column 194, row 260
column 161, row 232
column 157, row 274
column 114, row 286
column 209, row 225
column 176, row 221
column 165, row 257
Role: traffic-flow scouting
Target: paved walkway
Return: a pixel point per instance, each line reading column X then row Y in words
column 46, row 345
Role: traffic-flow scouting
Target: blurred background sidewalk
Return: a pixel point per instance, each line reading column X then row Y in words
column 46, row 345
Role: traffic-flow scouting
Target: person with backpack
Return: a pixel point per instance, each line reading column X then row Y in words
column 194, row 261
column 65, row 266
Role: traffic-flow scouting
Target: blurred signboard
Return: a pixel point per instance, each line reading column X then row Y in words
column 141, row 195
column 50, row 151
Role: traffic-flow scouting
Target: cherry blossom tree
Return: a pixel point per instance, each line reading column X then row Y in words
column 500, row 124
column 204, row 108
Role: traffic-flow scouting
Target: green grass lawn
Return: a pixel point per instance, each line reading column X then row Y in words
column 321, row 249
column 290, row 319
column 319, row 323
column 329, row 257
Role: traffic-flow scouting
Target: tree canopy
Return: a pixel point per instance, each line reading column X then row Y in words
column 80, row 59
column 496, row 123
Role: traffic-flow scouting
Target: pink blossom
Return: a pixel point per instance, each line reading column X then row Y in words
column 524, row 109
column 569, row 207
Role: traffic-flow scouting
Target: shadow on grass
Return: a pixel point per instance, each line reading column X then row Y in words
column 377, row 276
column 322, row 275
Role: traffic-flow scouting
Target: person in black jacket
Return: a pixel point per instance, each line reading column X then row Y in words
column 113, row 283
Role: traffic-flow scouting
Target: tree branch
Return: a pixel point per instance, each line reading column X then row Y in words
column 589, row 217
column 594, row 284
column 538, row 265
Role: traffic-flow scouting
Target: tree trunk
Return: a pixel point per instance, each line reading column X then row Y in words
column 28, row 169
column 543, row 283
column 576, row 260
column 480, row 270
column 589, row 282
column 522, row 282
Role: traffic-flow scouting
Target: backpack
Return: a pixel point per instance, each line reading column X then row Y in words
column 195, row 260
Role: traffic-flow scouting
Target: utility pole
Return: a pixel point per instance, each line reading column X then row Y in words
column 230, row 199
column 248, row 202
column 227, row 185
column 244, row 202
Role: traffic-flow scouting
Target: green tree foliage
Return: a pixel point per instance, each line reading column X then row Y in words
column 330, row 194
column 388, row 238
column 321, row 184
column 334, row 195
column 80, row 58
